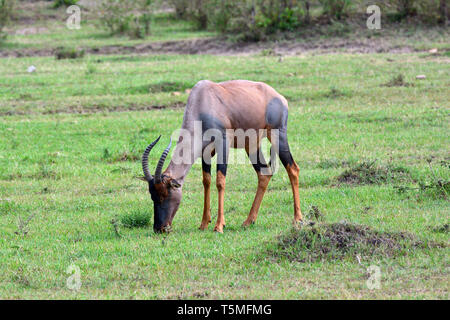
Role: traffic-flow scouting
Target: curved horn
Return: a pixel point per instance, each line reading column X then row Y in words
column 147, row 174
column 161, row 163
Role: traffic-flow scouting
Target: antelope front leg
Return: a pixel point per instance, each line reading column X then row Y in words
column 264, row 174
column 222, row 159
column 220, row 183
column 206, row 169
column 263, row 181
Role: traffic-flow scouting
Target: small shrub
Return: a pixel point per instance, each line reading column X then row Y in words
column 91, row 69
column 406, row 7
column 337, row 29
column 370, row 173
column 127, row 156
column 45, row 172
column 129, row 17
column 197, row 11
column 432, row 186
column 22, row 225
column 6, row 12
column 397, row 81
column 334, row 163
column 270, row 16
column 268, row 52
column 136, row 219
column 434, row 189
column 116, row 226
column 442, row 228
column 428, row 11
column 443, row 12
column 7, row 207
column 180, row 7
column 334, row 93
column 20, row 278
column 315, row 214
column 336, row 9
column 68, row 53
column 66, row 3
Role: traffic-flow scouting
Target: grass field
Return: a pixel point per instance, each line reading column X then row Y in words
column 72, row 134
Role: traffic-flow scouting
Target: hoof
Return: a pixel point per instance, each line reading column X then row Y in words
column 247, row 223
column 218, row 229
column 298, row 224
column 203, row 226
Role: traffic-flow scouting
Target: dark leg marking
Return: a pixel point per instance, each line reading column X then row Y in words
column 222, row 155
column 206, row 167
column 283, row 149
column 276, row 118
column 215, row 131
column 258, row 161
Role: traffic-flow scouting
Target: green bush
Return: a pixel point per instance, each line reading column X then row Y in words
column 198, row 10
column 273, row 15
column 256, row 19
column 232, row 17
column 67, row 3
column 130, row 17
column 443, row 12
column 180, row 7
column 68, row 53
column 136, row 219
column 250, row 19
column 406, row 7
column 6, row 11
column 432, row 11
column 428, row 11
column 336, row 9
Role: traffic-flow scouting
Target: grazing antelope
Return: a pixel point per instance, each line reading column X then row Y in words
column 222, row 108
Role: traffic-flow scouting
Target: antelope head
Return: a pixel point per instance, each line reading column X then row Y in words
column 164, row 190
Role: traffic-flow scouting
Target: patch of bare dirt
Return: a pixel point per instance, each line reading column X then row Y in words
column 92, row 109
column 97, row 109
column 371, row 173
column 335, row 241
column 218, row 46
column 31, row 30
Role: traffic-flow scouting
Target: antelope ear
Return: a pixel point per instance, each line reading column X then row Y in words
column 142, row 178
column 174, row 183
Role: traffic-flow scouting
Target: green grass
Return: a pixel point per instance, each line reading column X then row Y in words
column 72, row 134
column 69, row 170
column 51, row 31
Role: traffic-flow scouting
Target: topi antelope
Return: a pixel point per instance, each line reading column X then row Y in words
column 222, row 109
